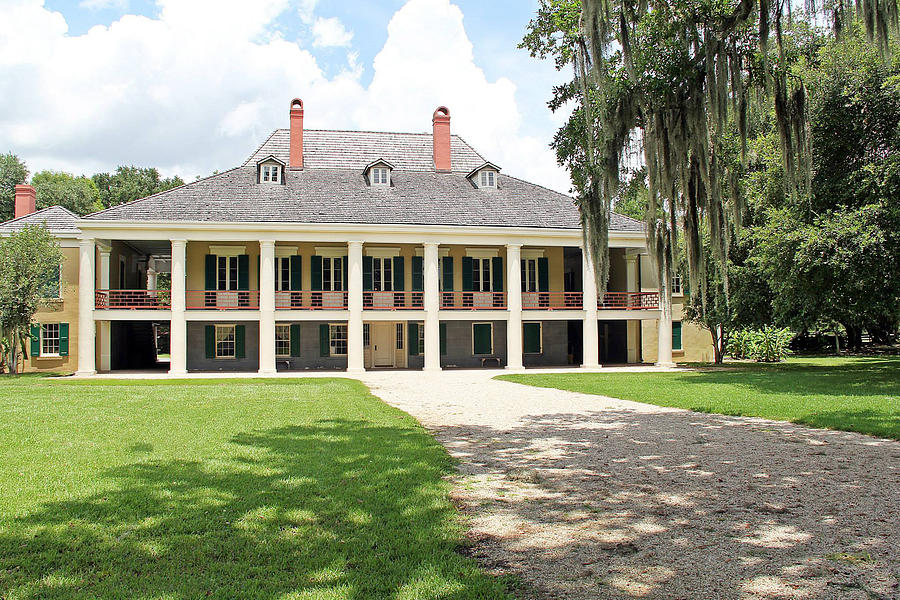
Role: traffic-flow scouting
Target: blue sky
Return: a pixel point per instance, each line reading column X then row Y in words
column 193, row 85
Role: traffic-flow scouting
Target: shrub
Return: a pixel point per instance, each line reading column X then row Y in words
column 769, row 344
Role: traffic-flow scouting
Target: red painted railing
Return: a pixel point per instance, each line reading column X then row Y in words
column 551, row 300
column 393, row 300
column 219, row 300
column 132, row 299
column 629, row 301
column 307, row 300
column 473, row 300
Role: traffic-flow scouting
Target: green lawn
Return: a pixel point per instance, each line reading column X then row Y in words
column 223, row 489
column 851, row 394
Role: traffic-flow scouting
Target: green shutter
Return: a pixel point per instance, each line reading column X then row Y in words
column 443, row 330
column 418, row 276
column 399, row 274
column 676, row 335
column 467, row 273
column 367, row 274
column 35, row 340
column 481, row 338
column 448, row 273
column 412, row 339
column 210, row 341
column 324, row 341
column 210, row 271
column 346, row 273
column 295, row 338
column 315, row 272
column 240, row 350
column 297, row 274
column 543, row 265
column 497, row 267
column 244, row 272
column 523, row 277
column 531, row 338
column 63, row 339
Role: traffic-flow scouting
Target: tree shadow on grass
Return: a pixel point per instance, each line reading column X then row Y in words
column 340, row 509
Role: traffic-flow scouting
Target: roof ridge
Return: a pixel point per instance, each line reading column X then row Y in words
column 427, row 133
column 260, row 147
column 37, row 212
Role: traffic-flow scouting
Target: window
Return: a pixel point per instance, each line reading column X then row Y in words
column 482, row 338
column 337, row 339
column 399, row 336
column 225, row 341
column 481, row 275
column 676, row 285
column 50, row 289
column 282, row 340
column 488, row 179
column 379, row 176
column 532, row 338
column 227, row 273
column 333, row 273
column 676, row 335
column 366, row 336
column 382, row 274
column 283, row 273
column 122, row 285
column 270, row 174
column 529, row 275
column 420, row 342
column 50, row 339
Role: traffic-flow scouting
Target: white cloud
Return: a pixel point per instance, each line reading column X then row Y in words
column 330, row 32
column 199, row 87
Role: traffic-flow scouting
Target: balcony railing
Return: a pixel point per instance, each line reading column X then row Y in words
column 552, row 300
column 132, row 299
column 473, row 300
column 221, row 300
column 629, row 301
column 307, row 300
column 393, row 300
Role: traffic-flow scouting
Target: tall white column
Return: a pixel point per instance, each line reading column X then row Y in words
column 151, row 279
column 632, row 326
column 355, row 362
column 590, row 338
column 178, row 324
column 432, row 306
column 664, row 346
column 267, row 307
column 86, row 300
column 104, row 335
column 514, row 303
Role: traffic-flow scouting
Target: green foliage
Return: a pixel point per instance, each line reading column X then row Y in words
column 849, row 394
column 768, row 344
column 12, row 172
column 55, row 188
column 28, row 259
column 257, row 489
column 131, row 183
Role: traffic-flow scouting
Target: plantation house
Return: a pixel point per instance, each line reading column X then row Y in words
column 347, row 250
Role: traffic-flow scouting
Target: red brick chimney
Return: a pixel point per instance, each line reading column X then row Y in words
column 440, row 121
column 25, row 200
column 296, row 159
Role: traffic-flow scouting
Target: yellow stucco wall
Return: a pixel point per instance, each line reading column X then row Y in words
column 64, row 310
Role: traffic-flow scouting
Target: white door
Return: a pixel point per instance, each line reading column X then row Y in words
column 383, row 344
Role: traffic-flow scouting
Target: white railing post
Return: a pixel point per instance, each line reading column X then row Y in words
column 178, row 323
column 590, row 335
column 432, row 306
column 267, row 307
column 86, row 300
column 355, row 359
column 514, row 303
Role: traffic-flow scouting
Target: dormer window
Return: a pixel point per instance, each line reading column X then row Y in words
column 378, row 173
column 379, row 176
column 485, row 177
column 270, row 174
column 488, row 179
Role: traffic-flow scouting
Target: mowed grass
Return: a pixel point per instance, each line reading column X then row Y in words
column 310, row 489
column 850, row 394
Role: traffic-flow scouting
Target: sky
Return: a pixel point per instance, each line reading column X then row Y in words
column 194, row 86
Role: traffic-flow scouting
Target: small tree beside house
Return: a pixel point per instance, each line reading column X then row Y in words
column 30, row 260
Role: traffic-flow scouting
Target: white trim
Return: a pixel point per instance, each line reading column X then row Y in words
column 532, row 253
column 382, row 252
column 216, row 356
column 346, row 327
column 330, row 251
column 228, row 250
column 483, row 252
column 288, row 326
column 442, row 252
column 283, row 251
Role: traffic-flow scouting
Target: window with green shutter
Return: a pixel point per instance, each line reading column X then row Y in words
column 447, row 275
column 413, row 338
column 418, row 275
column 63, row 339
column 482, row 338
column 324, row 345
column 240, row 348
column 676, row 335
column 295, row 340
column 35, row 340
column 531, row 338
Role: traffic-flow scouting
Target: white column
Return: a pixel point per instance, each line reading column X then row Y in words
column 632, row 326
column 151, row 279
column 86, row 300
column 104, row 336
column 664, row 347
column 591, row 342
column 178, row 324
column 514, row 303
column 432, row 306
column 267, row 307
column 355, row 362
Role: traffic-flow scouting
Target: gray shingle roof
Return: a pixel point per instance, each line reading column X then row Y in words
column 331, row 188
column 58, row 220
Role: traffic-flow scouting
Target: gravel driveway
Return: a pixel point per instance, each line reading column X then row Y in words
column 589, row 497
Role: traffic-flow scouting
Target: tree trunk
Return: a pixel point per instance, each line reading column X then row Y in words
column 718, row 338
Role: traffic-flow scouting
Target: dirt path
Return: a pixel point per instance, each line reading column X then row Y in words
column 590, row 497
